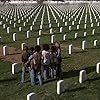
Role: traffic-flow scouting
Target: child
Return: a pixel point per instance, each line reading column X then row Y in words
column 53, row 61
column 25, row 57
column 35, row 71
column 31, row 52
column 58, row 51
column 45, row 61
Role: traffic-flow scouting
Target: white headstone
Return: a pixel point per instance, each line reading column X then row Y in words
column 14, row 36
column 51, row 32
column 60, row 87
column 64, row 37
column 22, row 46
column 5, row 50
column 18, row 21
column 95, row 43
column 40, row 26
column 93, row 31
column 10, row 22
column 60, row 29
column 14, row 68
column 76, row 34
column 41, row 22
column 98, row 23
column 52, row 38
column 4, row 26
column 65, row 23
column 40, row 32
column 58, row 24
column 69, row 27
column 31, row 28
column 27, row 20
column 79, row 22
column 56, row 20
column 24, row 24
column 6, row 19
column 83, row 44
column 8, row 29
column 72, row 22
column 98, row 68
column 70, row 49
column 14, row 19
column 91, row 24
column 14, row 25
column 96, row 20
column 28, row 34
column 85, row 26
column 77, row 27
column 22, row 18
column 38, row 41
column 49, row 25
column 20, row 29
column 33, row 23
column 82, row 76
column 84, row 34
column 31, row 96
column 63, row 20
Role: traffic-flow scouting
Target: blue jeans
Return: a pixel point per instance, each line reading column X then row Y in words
column 53, row 73
column 33, row 75
column 23, row 74
column 46, row 72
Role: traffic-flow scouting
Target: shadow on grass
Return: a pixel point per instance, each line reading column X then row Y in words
column 74, row 73
column 91, row 80
column 65, row 57
column 8, row 80
column 75, row 89
column 80, row 51
column 49, row 80
column 97, row 47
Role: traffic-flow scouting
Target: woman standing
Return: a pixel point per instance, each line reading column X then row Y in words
column 58, row 52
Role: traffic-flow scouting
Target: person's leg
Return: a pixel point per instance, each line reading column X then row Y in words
column 51, row 73
column 44, row 72
column 54, row 71
column 33, row 77
column 40, row 78
column 23, row 74
column 59, row 71
column 47, row 71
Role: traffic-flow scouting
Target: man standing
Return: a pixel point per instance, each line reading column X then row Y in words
column 25, row 57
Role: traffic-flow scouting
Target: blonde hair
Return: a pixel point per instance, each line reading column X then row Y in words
column 57, row 44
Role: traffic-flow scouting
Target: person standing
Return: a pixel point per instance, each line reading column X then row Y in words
column 53, row 62
column 25, row 57
column 35, row 71
column 58, row 52
column 45, row 61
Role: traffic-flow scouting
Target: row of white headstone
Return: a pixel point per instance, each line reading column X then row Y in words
column 83, row 46
column 20, row 28
column 6, row 48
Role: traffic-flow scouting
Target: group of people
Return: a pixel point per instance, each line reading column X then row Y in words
column 42, row 63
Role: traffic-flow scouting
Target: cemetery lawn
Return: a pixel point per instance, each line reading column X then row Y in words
column 12, row 89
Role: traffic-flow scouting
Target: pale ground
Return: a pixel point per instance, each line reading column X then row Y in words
column 14, row 55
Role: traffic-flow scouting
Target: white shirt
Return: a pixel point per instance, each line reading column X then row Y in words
column 46, row 57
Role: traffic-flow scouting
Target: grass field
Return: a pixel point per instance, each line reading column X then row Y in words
column 10, row 85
